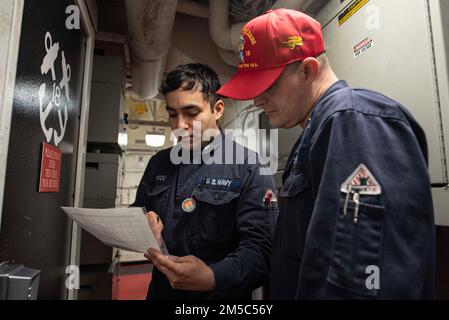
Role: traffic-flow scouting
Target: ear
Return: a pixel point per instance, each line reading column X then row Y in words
column 218, row 109
column 310, row 68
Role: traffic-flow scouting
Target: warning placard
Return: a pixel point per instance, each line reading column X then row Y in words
column 351, row 10
column 50, row 168
column 363, row 46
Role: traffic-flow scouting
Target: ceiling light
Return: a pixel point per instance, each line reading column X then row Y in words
column 123, row 139
column 155, row 139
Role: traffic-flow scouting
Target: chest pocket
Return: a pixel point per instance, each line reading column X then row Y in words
column 157, row 199
column 357, row 248
column 215, row 215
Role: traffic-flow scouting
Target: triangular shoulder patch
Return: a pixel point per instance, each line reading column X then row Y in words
column 363, row 181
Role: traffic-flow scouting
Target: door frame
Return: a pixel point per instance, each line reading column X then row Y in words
column 75, row 245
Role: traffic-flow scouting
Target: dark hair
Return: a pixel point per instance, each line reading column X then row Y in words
column 196, row 76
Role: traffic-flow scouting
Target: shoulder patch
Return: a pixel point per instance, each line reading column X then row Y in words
column 363, row 181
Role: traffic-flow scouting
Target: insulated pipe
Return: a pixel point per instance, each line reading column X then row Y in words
column 219, row 25
column 193, row 8
column 150, row 25
column 228, row 38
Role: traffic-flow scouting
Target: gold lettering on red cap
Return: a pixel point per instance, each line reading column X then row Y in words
column 248, row 65
column 250, row 36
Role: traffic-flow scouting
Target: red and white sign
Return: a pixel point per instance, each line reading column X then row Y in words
column 50, row 168
column 363, row 46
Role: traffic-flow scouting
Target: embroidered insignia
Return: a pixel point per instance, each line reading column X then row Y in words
column 293, row 42
column 242, row 48
column 362, row 181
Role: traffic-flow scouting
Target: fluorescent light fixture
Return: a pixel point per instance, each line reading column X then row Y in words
column 123, row 139
column 155, row 139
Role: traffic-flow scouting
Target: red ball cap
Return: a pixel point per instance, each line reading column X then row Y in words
column 267, row 44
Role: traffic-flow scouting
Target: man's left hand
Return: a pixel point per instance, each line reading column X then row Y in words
column 184, row 273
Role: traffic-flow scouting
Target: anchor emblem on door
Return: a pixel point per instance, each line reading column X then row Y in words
column 57, row 100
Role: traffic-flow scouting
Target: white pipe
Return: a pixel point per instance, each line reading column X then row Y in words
column 219, row 23
column 227, row 37
column 224, row 36
column 193, row 8
column 150, row 25
column 236, row 31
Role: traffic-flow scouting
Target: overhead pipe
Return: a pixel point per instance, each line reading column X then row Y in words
column 150, row 26
column 193, row 8
column 224, row 36
column 228, row 38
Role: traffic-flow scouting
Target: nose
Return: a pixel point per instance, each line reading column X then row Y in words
column 260, row 101
column 182, row 123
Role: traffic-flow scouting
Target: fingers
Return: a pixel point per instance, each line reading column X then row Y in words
column 184, row 259
column 176, row 278
column 153, row 218
column 163, row 260
column 171, row 263
column 159, row 261
column 183, row 272
column 171, row 276
column 175, row 259
column 155, row 224
column 146, row 255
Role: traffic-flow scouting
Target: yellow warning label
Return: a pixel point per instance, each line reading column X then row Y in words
column 140, row 108
column 351, row 10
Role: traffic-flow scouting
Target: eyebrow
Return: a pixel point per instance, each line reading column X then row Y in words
column 184, row 108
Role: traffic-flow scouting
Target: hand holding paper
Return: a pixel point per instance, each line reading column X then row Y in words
column 123, row 228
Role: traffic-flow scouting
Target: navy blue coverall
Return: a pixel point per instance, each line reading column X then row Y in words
column 231, row 227
column 356, row 217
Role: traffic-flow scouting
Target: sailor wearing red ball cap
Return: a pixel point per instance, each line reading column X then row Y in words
column 356, row 216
